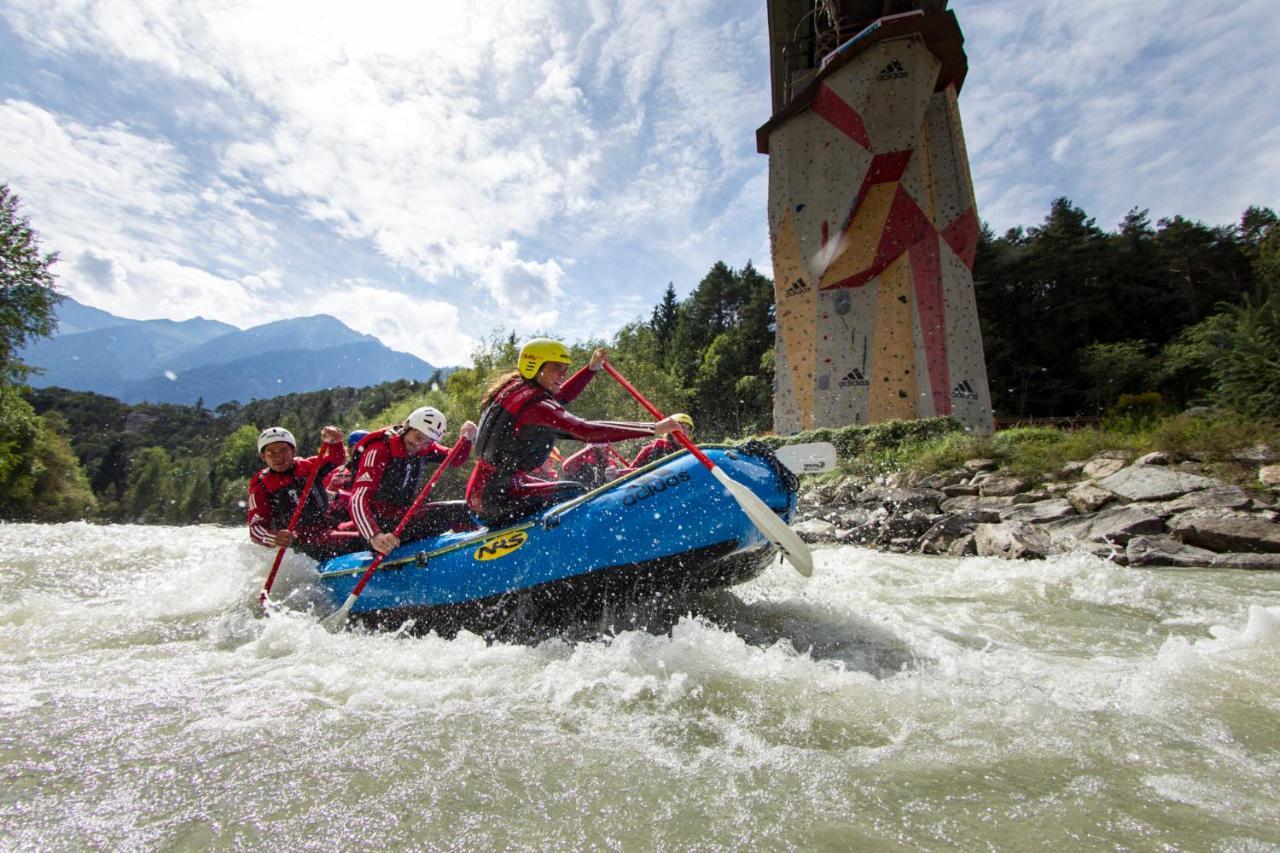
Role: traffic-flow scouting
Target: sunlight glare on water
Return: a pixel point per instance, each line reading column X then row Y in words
column 890, row 699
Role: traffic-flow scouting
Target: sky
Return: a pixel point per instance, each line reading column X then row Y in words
column 435, row 172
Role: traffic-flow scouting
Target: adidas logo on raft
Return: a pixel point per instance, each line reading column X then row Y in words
column 964, row 391
column 892, row 71
column 854, row 379
column 797, row 287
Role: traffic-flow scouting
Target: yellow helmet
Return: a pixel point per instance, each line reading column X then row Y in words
column 538, row 352
column 684, row 420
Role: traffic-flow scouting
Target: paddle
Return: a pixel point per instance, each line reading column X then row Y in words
column 335, row 620
column 293, row 521
column 774, row 528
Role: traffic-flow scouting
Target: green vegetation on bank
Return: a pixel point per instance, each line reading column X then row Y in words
column 1137, row 325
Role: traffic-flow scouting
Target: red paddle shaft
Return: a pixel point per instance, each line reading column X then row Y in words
column 653, row 410
column 293, row 522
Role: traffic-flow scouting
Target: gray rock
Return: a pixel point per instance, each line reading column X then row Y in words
column 1002, row 485
column 965, row 503
column 897, row 499
column 1012, row 541
column 1116, row 525
column 1269, row 475
column 939, row 538
column 1226, row 531
column 965, row 546
column 960, row 489
column 1153, row 483
column 1155, row 457
column 857, row 517
column 1214, row 497
column 1101, row 550
column 1259, row 454
column 1086, row 497
column 1103, row 466
column 980, row 464
column 910, row 526
column 978, row 515
column 1246, row 561
column 1071, row 469
column 1166, row 551
column 814, row 530
column 942, row 479
column 1038, row 513
column 1032, row 497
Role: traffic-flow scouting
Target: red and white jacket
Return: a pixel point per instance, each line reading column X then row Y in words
column 387, row 481
column 273, row 497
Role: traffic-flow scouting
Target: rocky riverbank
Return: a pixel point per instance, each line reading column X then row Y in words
column 1152, row 511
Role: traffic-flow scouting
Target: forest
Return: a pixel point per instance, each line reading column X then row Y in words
column 1077, row 322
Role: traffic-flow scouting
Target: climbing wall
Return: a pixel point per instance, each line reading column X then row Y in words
column 874, row 230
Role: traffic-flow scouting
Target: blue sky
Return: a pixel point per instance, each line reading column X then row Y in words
column 432, row 171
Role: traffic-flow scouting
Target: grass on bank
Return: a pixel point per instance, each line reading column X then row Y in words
column 1214, row 438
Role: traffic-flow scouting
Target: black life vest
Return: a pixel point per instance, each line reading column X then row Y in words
column 400, row 475
column 283, row 492
column 496, row 439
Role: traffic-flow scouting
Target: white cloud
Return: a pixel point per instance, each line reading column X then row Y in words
column 427, row 328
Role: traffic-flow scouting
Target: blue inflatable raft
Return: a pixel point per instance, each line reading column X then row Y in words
column 665, row 529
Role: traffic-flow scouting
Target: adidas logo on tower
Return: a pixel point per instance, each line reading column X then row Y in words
column 964, row 391
column 797, row 287
column 854, row 379
column 892, row 71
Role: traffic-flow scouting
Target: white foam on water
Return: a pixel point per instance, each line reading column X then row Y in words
column 889, row 699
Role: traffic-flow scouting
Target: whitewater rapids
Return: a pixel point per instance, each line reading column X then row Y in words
column 890, row 700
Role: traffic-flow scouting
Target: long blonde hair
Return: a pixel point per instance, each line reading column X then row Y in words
column 496, row 386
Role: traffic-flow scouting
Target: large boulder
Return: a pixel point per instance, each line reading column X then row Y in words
column 1086, row 497
column 1153, row 483
column 1103, row 465
column 939, row 538
column 1012, row 540
column 1001, row 485
column 1038, row 513
column 1166, row 551
column 1246, row 561
column 1116, row 525
column 1226, row 531
column 1214, row 497
column 897, row 499
column 969, row 503
column 1269, row 475
column 814, row 530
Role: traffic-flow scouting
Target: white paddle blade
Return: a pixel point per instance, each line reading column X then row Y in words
column 774, row 528
column 813, row 458
column 336, row 621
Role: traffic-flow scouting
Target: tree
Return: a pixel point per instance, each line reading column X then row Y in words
column 40, row 478
column 27, row 294
column 663, row 322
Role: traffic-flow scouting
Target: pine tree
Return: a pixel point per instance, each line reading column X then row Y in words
column 27, row 295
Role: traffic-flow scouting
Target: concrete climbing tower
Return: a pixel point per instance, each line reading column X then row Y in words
column 871, row 216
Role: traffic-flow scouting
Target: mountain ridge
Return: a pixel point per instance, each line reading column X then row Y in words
column 184, row 361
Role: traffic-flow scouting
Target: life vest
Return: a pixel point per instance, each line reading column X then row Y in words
column 398, row 485
column 497, row 442
column 283, row 492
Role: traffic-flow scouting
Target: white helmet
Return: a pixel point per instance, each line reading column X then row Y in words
column 428, row 421
column 271, row 435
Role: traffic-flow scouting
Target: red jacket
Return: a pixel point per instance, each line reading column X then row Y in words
column 273, row 497
column 518, row 428
column 387, row 481
column 655, row 450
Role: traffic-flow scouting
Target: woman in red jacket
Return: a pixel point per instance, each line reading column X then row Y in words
column 522, row 415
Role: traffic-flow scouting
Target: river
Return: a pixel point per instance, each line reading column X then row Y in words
column 889, row 701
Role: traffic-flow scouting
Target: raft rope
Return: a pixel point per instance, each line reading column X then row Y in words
column 755, row 447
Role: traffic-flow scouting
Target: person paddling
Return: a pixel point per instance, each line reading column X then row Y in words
column 664, row 446
column 391, row 464
column 274, row 493
column 522, row 414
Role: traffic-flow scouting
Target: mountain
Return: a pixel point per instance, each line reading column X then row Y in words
column 271, row 374
column 165, row 361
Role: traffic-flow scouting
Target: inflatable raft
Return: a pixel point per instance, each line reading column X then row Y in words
column 665, row 529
